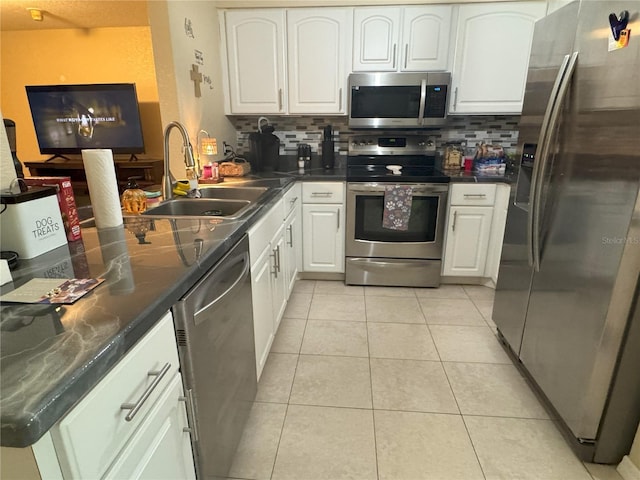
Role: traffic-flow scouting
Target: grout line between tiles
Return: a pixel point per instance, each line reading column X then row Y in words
column 373, row 415
column 286, row 412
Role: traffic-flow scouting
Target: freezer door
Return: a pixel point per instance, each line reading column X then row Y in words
column 581, row 296
column 553, row 39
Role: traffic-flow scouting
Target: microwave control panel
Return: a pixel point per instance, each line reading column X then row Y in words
column 436, row 101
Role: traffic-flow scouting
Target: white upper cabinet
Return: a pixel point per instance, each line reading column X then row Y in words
column 318, row 46
column 492, row 56
column 255, row 53
column 376, row 35
column 406, row 39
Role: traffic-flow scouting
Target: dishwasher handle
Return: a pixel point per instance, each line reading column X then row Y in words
column 235, row 285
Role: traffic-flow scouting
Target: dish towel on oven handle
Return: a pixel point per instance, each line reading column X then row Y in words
column 397, row 207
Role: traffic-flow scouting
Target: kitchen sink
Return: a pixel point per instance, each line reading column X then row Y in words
column 200, row 207
column 232, row 193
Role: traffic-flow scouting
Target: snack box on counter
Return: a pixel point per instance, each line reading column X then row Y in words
column 66, row 201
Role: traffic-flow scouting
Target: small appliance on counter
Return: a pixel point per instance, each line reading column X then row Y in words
column 328, row 149
column 264, row 148
column 304, row 155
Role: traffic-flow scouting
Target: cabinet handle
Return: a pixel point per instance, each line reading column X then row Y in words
column 395, row 46
column 338, row 229
column 135, row 407
column 278, row 254
column 406, row 55
column 279, row 99
column 475, row 195
column 290, row 228
column 455, row 98
column 321, row 194
column 293, row 200
column 340, row 100
column 455, row 217
column 191, row 412
column 274, row 255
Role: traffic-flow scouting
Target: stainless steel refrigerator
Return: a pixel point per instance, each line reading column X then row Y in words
column 567, row 291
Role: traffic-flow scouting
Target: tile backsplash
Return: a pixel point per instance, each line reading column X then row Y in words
column 493, row 129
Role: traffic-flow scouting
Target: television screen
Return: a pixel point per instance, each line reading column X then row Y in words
column 69, row 118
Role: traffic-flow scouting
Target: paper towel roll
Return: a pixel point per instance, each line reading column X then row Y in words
column 103, row 187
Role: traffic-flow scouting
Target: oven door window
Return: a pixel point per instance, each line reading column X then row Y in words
column 385, row 102
column 422, row 222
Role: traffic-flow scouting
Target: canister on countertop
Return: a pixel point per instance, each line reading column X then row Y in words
column 31, row 222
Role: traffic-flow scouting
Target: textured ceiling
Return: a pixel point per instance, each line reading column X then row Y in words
column 83, row 14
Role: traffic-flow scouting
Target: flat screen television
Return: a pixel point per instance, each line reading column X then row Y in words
column 69, row 118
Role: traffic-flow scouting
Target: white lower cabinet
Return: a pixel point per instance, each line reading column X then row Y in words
column 263, row 330
column 323, row 217
column 279, row 291
column 293, row 247
column 158, row 448
column 132, row 424
column 467, row 241
column 475, row 230
column 274, row 246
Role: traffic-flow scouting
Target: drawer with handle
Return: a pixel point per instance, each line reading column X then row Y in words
column 474, row 194
column 292, row 198
column 323, row 192
column 96, row 429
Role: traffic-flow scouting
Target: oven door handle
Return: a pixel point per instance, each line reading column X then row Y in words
column 417, row 190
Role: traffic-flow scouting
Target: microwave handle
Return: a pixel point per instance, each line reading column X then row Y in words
column 423, row 99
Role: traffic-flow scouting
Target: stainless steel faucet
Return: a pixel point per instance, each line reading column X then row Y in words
column 169, row 179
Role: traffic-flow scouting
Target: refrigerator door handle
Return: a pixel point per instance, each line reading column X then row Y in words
column 540, row 159
column 553, row 125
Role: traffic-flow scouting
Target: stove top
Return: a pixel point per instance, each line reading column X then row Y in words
column 408, row 174
column 369, row 156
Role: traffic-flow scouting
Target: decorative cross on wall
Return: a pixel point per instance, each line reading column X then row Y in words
column 196, row 76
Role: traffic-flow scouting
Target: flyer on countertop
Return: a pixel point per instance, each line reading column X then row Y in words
column 52, row 290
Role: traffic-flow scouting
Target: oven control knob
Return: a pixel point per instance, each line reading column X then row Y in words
column 421, row 144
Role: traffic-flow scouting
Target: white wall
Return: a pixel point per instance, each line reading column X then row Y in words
column 176, row 48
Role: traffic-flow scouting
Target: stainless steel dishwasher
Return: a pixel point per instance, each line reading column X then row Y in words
column 214, row 327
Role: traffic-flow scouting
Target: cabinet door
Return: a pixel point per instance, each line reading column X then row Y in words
column 262, row 307
column 468, row 231
column 492, row 56
column 160, row 448
column 425, row 38
column 376, row 33
column 498, row 224
column 323, row 238
column 255, row 59
column 278, row 277
column 293, row 245
column 318, row 47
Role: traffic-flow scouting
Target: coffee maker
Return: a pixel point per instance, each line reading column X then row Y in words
column 10, row 127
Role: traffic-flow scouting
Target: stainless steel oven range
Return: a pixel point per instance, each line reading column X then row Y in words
column 376, row 254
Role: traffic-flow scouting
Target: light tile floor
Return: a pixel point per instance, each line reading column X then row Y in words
column 398, row 384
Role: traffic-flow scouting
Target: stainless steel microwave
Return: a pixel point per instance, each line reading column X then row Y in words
column 398, row 100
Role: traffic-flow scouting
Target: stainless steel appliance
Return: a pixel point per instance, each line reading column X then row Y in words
column 380, row 256
column 398, row 100
column 566, row 297
column 214, row 326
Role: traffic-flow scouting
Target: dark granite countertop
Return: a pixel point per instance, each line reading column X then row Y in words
column 51, row 356
column 461, row 176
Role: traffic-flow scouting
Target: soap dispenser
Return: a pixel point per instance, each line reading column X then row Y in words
column 134, row 200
